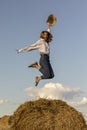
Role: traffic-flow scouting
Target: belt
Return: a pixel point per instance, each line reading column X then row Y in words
column 41, row 53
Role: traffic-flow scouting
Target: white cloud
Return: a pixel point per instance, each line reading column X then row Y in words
column 2, row 101
column 73, row 96
column 82, row 102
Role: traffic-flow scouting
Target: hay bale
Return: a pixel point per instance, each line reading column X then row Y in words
column 4, row 123
column 46, row 114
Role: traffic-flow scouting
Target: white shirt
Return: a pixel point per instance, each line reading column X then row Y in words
column 40, row 45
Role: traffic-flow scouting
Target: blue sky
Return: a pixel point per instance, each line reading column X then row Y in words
column 21, row 22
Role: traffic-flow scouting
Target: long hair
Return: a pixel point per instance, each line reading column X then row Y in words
column 49, row 38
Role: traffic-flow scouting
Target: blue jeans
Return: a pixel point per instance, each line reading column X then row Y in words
column 46, row 68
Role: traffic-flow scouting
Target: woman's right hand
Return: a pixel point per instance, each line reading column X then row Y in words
column 17, row 51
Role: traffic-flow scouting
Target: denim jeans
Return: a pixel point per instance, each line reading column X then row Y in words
column 46, row 68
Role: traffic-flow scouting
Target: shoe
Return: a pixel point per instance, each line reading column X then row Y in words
column 37, row 81
column 33, row 65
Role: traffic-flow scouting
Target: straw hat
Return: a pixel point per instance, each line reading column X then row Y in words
column 51, row 20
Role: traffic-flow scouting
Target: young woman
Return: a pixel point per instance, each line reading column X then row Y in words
column 43, row 45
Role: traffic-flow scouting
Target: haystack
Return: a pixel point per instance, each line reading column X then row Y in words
column 44, row 114
column 4, row 123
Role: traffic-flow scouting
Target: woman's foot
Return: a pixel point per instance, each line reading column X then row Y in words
column 37, row 80
column 34, row 65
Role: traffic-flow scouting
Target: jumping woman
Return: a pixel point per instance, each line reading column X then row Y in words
column 43, row 46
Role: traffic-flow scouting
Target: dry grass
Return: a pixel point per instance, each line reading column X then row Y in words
column 4, row 123
column 46, row 114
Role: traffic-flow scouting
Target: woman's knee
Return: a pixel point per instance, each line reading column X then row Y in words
column 50, row 76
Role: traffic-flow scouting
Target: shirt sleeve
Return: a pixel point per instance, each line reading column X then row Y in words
column 49, row 30
column 34, row 46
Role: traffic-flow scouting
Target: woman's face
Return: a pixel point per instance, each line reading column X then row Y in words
column 45, row 35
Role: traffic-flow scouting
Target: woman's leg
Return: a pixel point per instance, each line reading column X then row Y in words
column 46, row 68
